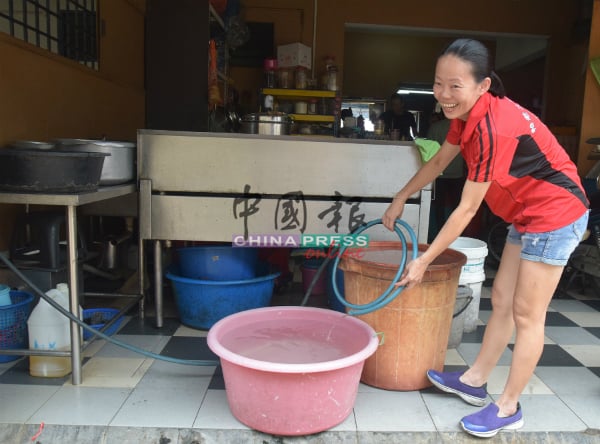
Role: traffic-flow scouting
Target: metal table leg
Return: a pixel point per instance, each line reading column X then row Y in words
column 142, row 278
column 74, row 293
column 158, row 283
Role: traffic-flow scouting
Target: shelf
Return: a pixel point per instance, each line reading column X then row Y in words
column 215, row 16
column 298, row 92
column 312, row 118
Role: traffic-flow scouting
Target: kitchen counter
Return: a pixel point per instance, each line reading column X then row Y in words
column 212, row 186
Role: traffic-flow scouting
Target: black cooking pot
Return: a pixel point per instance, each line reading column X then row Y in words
column 49, row 171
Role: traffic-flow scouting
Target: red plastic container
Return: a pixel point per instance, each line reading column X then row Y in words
column 291, row 370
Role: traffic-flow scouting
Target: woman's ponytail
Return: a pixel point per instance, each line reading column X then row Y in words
column 497, row 87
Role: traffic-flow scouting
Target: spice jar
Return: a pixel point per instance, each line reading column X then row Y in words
column 284, row 78
column 270, row 71
column 332, row 78
column 301, row 107
column 301, row 76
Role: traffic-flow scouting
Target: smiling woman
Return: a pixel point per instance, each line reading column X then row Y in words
column 526, row 177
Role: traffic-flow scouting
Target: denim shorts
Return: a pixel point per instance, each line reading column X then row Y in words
column 552, row 247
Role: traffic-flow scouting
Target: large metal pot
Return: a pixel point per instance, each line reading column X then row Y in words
column 118, row 168
column 271, row 124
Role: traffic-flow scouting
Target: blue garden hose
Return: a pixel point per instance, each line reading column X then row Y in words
column 92, row 330
column 391, row 292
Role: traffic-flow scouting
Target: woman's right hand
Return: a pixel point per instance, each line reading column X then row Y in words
column 393, row 212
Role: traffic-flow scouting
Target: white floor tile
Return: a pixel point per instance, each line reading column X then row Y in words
column 584, row 318
column 469, row 353
column 348, row 425
column 168, row 373
column 588, row 355
column 75, row 405
column 571, row 336
column 114, row 372
column 447, row 410
column 152, row 343
column 569, row 380
column 156, row 406
column 499, row 376
column 187, row 331
column 93, row 348
column 369, row 388
column 215, row 414
column 6, row 365
column 23, row 401
column 569, row 305
column 392, row 411
column 547, row 413
column 453, row 357
column 587, row 408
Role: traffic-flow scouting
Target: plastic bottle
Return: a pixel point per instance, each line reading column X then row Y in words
column 4, row 295
column 50, row 330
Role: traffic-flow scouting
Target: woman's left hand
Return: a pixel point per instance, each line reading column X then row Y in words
column 413, row 273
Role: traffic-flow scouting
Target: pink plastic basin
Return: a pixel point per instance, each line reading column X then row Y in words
column 291, row 370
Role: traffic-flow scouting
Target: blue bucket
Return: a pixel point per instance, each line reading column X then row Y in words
column 218, row 262
column 332, row 300
column 13, row 323
column 201, row 303
column 102, row 316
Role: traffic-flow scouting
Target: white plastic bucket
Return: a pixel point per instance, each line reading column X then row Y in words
column 474, row 281
column 464, row 298
column 476, row 252
column 472, row 275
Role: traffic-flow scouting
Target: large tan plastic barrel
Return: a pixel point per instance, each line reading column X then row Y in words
column 416, row 325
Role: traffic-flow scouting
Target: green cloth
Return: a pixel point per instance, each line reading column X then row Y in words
column 427, row 148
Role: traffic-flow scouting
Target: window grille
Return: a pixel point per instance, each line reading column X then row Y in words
column 64, row 27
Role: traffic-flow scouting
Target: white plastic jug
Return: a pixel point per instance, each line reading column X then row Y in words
column 50, row 330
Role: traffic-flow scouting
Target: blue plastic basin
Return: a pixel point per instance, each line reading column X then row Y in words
column 218, row 262
column 201, row 303
column 13, row 323
column 104, row 315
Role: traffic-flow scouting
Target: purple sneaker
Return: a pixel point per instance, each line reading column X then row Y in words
column 486, row 423
column 450, row 383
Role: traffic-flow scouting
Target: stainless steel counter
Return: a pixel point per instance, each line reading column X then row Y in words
column 71, row 202
column 209, row 187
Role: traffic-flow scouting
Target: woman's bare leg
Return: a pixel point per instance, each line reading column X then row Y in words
column 500, row 326
column 536, row 284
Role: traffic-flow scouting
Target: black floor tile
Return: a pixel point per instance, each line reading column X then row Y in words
column 474, row 337
column 217, row 382
column 594, row 330
column 555, row 319
column 485, row 304
column 455, row 368
column 186, row 347
column 595, row 370
column 555, row 356
column 147, row 326
column 19, row 374
column 594, row 303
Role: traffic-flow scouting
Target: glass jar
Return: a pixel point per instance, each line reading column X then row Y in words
column 270, row 73
column 301, row 77
column 284, row 77
column 332, row 78
column 312, row 106
column 301, row 107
